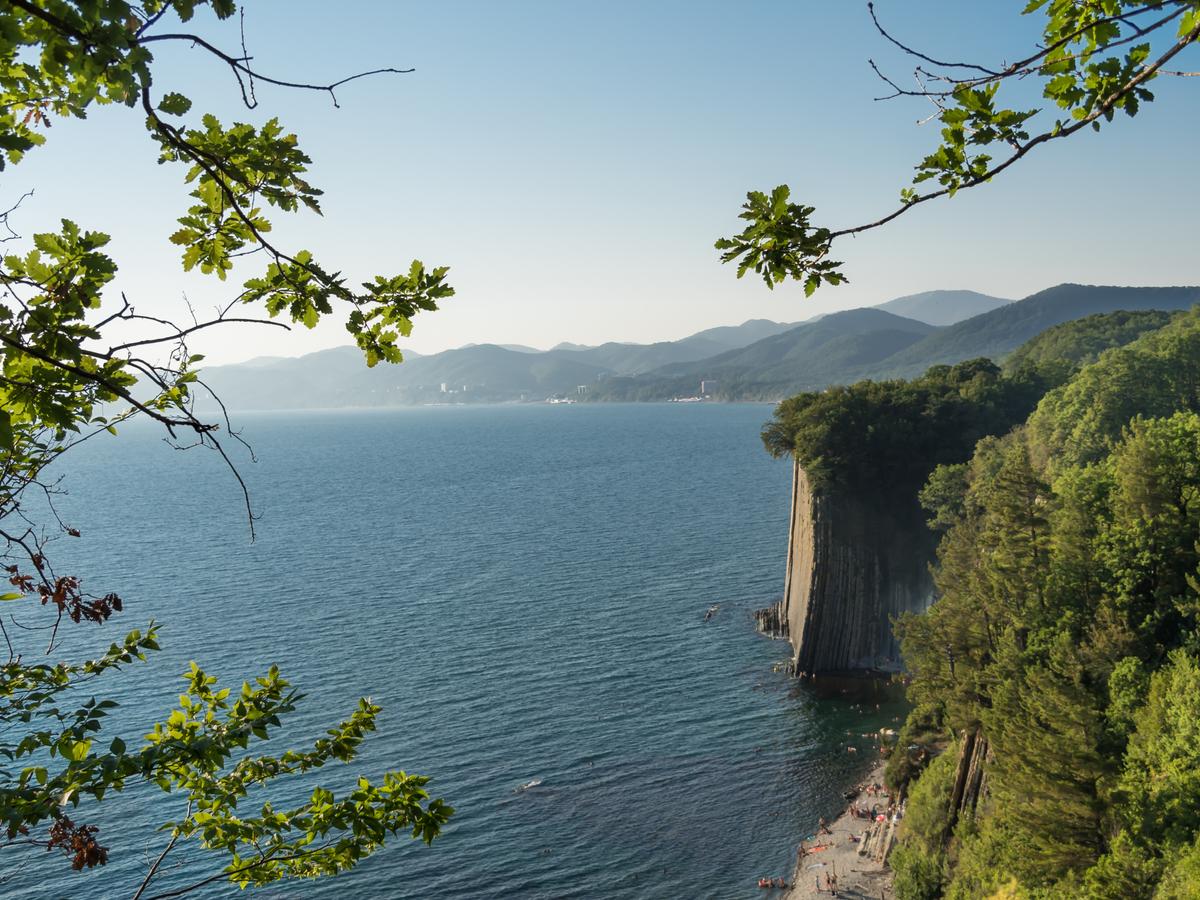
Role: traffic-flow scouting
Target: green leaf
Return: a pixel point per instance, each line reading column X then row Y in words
column 1188, row 22
column 77, row 751
column 174, row 104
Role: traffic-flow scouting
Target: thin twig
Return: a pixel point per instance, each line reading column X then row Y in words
column 116, row 348
column 1027, row 66
column 929, row 59
column 291, row 857
column 158, row 862
column 12, row 235
column 239, row 65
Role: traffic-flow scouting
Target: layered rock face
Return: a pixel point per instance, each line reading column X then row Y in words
column 970, row 777
column 851, row 567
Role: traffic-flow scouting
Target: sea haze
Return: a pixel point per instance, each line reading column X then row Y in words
column 758, row 360
column 522, row 588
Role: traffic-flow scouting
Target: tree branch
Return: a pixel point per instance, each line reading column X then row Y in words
column 238, row 65
column 1102, row 109
column 50, row 19
column 193, row 423
column 211, row 167
column 1022, row 67
column 929, row 59
column 12, row 235
column 158, row 862
column 266, row 858
column 182, row 332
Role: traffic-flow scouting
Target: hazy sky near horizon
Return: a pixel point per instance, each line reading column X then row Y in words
column 572, row 163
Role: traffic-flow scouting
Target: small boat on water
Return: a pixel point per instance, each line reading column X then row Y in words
column 527, row 785
column 711, row 611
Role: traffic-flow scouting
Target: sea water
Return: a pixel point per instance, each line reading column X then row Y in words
column 523, row 590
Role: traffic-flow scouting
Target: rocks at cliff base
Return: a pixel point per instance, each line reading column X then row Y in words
column 772, row 621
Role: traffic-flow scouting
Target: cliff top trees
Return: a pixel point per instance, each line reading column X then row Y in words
column 65, row 375
column 1096, row 59
column 880, row 440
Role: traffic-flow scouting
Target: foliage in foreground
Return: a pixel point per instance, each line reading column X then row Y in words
column 67, row 371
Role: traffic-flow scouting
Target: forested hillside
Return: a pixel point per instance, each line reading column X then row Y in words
column 808, row 356
column 1064, row 642
column 1001, row 331
column 757, row 360
column 1082, row 341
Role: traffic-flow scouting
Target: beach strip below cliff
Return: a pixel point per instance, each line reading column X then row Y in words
column 853, row 850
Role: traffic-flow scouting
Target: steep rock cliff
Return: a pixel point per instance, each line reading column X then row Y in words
column 851, row 567
column 970, row 777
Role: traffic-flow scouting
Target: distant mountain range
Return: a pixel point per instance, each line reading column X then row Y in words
column 758, row 359
column 942, row 307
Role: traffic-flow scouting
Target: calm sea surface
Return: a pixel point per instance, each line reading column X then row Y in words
column 522, row 588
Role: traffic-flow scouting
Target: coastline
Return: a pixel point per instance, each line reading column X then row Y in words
column 858, row 865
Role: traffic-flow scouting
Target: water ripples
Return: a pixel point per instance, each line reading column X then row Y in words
column 522, row 590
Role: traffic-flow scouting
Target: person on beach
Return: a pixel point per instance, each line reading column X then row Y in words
column 831, row 884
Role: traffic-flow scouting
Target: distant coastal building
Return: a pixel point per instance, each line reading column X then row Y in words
column 707, row 387
column 443, row 387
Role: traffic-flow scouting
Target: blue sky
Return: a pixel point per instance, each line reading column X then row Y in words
column 574, row 162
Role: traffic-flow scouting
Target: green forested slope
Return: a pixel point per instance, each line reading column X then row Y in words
column 1083, row 340
column 882, row 439
column 1001, row 331
column 807, row 357
column 799, row 349
column 1067, row 634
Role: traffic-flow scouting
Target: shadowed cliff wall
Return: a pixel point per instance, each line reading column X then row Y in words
column 850, row 569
